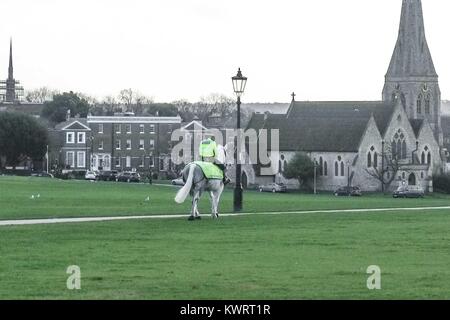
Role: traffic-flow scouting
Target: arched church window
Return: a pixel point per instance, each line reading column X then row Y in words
column 428, row 104
column 429, row 158
column 399, row 148
column 369, row 160
column 325, row 168
column 394, row 149
column 419, row 104
column 280, row 168
column 321, row 166
column 342, row 169
column 423, row 158
column 336, row 168
column 404, row 149
column 375, row 160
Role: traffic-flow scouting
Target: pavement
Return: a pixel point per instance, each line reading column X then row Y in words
column 185, row 216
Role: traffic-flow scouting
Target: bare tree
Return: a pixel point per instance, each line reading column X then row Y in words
column 386, row 171
column 126, row 96
column 40, row 95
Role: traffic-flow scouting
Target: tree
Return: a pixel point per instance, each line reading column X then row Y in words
column 216, row 105
column 387, row 170
column 300, row 167
column 56, row 110
column 40, row 95
column 21, row 137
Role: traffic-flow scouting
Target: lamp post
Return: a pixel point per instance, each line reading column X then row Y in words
column 239, row 83
column 348, row 175
column 315, row 176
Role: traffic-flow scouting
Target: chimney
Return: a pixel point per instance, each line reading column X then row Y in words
column 68, row 115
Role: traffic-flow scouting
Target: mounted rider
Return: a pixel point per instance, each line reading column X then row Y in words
column 211, row 152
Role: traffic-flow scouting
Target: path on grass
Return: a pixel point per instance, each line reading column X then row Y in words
column 184, row 216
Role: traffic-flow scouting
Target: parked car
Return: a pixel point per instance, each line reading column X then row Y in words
column 273, row 187
column 409, row 192
column 128, row 177
column 178, row 182
column 348, row 191
column 90, row 175
column 42, row 174
column 107, row 175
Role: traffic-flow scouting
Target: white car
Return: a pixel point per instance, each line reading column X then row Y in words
column 90, row 175
column 178, row 182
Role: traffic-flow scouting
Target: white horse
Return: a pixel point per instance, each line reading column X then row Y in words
column 196, row 183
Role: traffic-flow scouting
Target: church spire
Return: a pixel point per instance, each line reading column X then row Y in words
column 10, row 68
column 411, row 57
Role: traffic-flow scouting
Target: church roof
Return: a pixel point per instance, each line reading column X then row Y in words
column 416, row 124
column 324, row 126
column 411, row 55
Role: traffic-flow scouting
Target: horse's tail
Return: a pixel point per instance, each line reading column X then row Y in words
column 183, row 192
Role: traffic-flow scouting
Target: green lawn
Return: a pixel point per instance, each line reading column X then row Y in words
column 289, row 256
column 60, row 198
column 294, row 256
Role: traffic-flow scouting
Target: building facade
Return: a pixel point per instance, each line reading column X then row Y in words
column 123, row 143
column 362, row 143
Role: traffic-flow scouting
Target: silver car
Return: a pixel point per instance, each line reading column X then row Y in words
column 273, row 187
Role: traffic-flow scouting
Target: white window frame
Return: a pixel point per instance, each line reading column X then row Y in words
column 141, row 144
column 68, row 158
column 70, row 134
column 151, row 163
column 128, row 162
column 81, row 155
column 128, row 145
column 119, row 128
column 141, row 128
column 117, row 165
column 100, row 128
column 126, row 128
column 152, row 144
column 120, row 144
column 152, row 128
column 83, row 135
column 142, row 164
column 100, row 145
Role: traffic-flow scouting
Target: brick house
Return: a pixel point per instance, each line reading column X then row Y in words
column 123, row 143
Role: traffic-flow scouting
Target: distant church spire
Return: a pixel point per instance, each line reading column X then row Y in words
column 10, row 68
column 411, row 55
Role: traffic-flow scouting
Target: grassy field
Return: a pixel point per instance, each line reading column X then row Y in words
column 61, row 198
column 289, row 256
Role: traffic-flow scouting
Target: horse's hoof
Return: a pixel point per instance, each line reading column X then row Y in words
column 198, row 218
column 191, row 218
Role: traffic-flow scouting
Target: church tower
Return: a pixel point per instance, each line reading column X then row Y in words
column 411, row 75
column 10, row 82
column 10, row 89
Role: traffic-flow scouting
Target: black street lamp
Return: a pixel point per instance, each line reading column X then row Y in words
column 239, row 83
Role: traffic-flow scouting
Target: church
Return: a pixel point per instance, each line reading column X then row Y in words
column 375, row 145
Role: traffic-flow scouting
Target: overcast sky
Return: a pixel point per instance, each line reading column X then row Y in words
column 174, row 49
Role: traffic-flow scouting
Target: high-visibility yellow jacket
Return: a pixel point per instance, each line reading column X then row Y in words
column 208, row 148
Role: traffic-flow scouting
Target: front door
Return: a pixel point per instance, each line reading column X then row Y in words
column 412, row 179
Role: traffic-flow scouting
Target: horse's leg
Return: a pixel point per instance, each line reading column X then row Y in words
column 213, row 204
column 215, row 198
column 197, row 195
column 218, row 193
column 192, row 216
